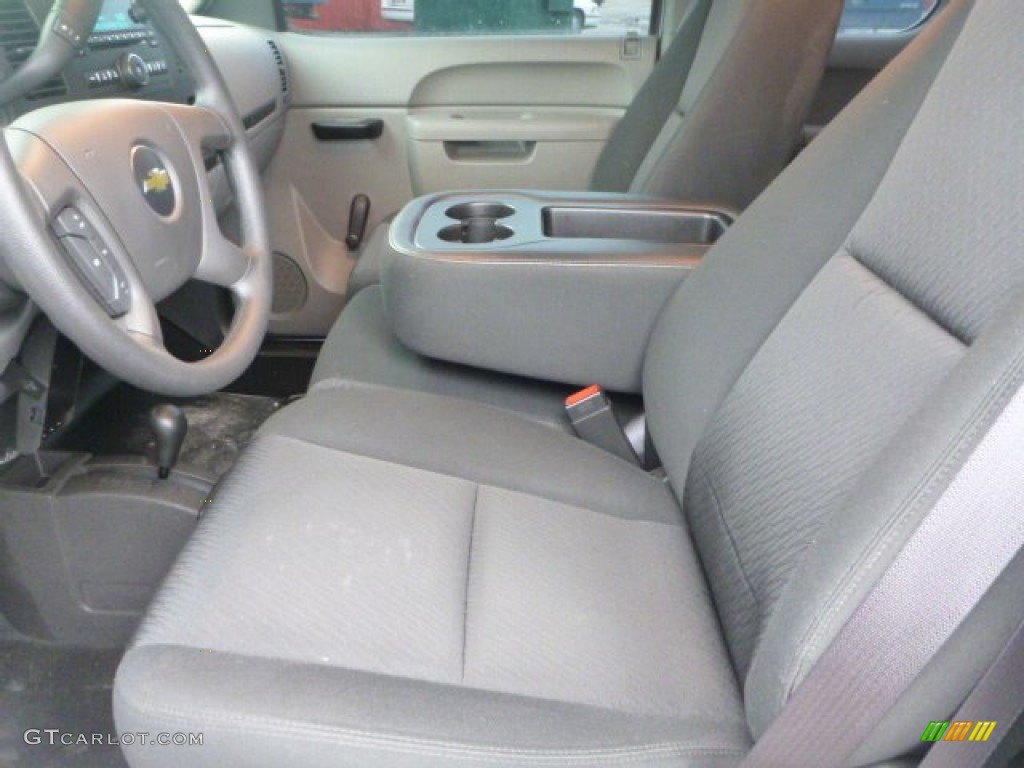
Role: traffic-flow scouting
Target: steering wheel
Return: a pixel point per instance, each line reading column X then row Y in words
column 108, row 209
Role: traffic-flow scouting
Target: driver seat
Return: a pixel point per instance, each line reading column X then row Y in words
column 394, row 578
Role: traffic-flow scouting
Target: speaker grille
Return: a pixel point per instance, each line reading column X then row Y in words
column 282, row 68
column 290, row 287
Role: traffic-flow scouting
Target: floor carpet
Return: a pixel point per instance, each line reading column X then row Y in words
column 47, row 687
column 220, row 426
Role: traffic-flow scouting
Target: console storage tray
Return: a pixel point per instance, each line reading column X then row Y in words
column 557, row 286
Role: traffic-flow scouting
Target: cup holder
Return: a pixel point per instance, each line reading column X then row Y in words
column 480, row 211
column 475, row 231
column 478, row 223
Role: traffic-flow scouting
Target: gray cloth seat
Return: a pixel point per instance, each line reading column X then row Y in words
column 464, row 604
column 720, row 115
column 392, row 578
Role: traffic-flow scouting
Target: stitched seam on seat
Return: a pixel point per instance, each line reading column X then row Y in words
column 357, row 737
column 848, row 250
column 338, row 383
column 945, row 466
column 469, row 564
column 717, row 505
column 342, row 383
column 531, row 494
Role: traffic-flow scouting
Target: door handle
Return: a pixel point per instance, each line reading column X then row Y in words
column 348, row 130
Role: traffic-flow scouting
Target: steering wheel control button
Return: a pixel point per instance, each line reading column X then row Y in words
column 133, row 70
column 71, row 222
column 65, row 27
column 155, row 180
column 92, row 259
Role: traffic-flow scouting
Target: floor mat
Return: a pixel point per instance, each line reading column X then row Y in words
column 220, row 426
column 49, row 687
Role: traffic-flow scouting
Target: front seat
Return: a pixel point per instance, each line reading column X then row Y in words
column 720, row 115
column 391, row 578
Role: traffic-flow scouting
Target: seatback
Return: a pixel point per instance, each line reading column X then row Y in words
column 721, row 114
column 815, row 385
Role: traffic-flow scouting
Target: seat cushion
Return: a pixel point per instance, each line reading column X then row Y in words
column 389, row 578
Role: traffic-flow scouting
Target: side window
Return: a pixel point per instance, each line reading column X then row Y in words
column 469, row 17
column 885, row 16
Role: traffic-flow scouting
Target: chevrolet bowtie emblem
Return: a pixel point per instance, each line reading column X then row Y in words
column 154, row 178
column 157, row 181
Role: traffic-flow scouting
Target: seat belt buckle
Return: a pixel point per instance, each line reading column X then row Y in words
column 593, row 419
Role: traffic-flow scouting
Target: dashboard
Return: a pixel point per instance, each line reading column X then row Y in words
column 125, row 56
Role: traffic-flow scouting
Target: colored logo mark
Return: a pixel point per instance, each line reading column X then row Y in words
column 959, row 730
column 158, row 180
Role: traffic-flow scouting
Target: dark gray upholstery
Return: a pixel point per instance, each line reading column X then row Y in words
column 762, row 265
column 815, row 421
column 398, row 578
column 404, row 575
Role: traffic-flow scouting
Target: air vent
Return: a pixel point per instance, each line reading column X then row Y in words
column 54, row 88
column 282, row 68
column 19, row 34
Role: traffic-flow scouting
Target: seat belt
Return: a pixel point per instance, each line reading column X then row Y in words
column 997, row 698
column 973, row 531
column 593, row 420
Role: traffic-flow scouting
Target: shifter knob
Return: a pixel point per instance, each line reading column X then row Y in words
column 169, row 427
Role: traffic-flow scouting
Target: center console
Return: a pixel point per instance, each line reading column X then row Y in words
column 563, row 287
column 87, row 541
column 519, row 219
column 126, row 56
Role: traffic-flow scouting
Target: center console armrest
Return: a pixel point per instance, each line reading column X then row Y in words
column 563, row 287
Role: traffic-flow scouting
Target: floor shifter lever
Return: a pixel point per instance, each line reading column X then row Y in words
column 169, row 427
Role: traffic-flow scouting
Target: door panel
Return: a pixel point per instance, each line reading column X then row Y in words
column 470, row 112
column 309, row 188
column 542, row 147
